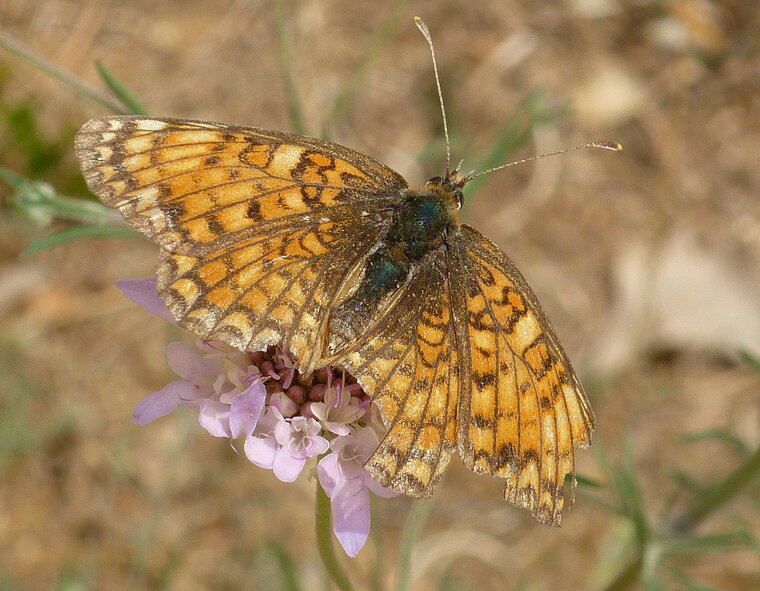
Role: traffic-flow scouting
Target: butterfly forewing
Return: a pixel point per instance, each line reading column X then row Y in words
column 196, row 187
column 258, row 227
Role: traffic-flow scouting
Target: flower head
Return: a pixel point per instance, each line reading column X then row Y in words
column 284, row 419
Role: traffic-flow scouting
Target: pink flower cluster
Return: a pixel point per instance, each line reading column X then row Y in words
column 283, row 419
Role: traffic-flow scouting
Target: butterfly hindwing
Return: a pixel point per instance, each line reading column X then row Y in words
column 522, row 411
column 271, row 289
column 409, row 361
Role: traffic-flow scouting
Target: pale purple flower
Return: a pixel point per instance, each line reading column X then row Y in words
column 286, row 369
column 246, row 408
column 198, row 373
column 260, row 397
column 285, row 445
column 300, row 440
column 237, row 418
column 262, row 446
column 338, row 409
column 347, row 483
column 144, row 292
column 284, row 403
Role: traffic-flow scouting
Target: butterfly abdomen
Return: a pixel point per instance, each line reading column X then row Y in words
column 419, row 226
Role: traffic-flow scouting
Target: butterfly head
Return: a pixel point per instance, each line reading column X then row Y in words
column 450, row 184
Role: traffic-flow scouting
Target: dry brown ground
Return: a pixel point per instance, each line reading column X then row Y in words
column 647, row 261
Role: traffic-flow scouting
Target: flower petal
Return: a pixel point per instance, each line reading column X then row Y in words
column 282, row 431
column 329, row 474
column 286, row 467
column 319, row 445
column 267, row 422
column 378, row 488
column 366, row 442
column 337, row 428
column 144, row 292
column 350, row 463
column 215, row 418
column 284, row 404
column 351, row 517
column 159, row 404
column 246, row 408
column 188, row 363
column 261, row 451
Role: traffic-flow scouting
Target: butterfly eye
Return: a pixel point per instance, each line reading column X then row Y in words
column 460, row 196
column 436, row 181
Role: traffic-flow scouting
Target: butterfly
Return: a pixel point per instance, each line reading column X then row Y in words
column 269, row 237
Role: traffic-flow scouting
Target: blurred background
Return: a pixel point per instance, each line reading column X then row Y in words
column 647, row 262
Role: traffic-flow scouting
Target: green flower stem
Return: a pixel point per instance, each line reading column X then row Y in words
column 78, row 233
column 9, row 43
column 323, row 524
column 415, row 521
column 121, row 91
column 386, row 32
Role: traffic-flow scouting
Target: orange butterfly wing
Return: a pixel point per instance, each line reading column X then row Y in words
column 522, row 410
column 409, row 361
column 466, row 360
column 258, row 227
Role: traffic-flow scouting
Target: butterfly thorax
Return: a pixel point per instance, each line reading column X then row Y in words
column 421, row 223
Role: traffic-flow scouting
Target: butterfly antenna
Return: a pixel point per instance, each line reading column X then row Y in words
column 605, row 145
column 426, row 32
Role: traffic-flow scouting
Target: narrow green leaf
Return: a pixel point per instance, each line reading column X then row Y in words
column 40, row 202
column 709, row 544
column 751, row 533
column 626, row 577
column 12, row 178
column 286, row 565
column 629, row 495
column 685, row 481
column 384, row 35
column 609, row 475
column 655, row 584
column 379, row 568
column 719, row 494
column 79, row 233
column 285, row 46
column 323, row 526
column 588, row 482
column 121, row 91
column 686, row 583
column 16, row 47
column 536, row 109
column 717, row 434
